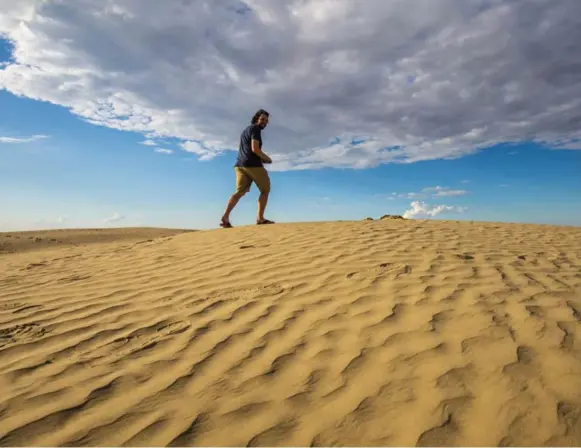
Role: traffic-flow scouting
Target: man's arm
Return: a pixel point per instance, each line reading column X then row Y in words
column 255, row 137
column 256, row 150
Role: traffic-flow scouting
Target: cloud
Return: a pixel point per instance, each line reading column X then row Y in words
column 205, row 150
column 443, row 191
column 53, row 222
column 116, row 217
column 430, row 192
column 148, row 143
column 348, row 84
column 17, row 140
column 420, row 209
column 164, row 151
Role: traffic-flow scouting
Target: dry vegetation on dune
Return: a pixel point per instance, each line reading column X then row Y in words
column 387, row 332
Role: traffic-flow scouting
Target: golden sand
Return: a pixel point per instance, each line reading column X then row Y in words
column 391, row 332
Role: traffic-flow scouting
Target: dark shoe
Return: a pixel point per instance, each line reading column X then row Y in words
column 264, row 221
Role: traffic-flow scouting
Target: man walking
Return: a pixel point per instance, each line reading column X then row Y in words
column 249, row 168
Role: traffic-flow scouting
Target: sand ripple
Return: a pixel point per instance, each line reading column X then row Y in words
column 353, row 333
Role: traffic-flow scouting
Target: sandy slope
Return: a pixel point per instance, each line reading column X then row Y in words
column 35, row 240
column 353, row 333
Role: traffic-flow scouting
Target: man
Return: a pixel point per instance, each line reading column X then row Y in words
column 249, row 168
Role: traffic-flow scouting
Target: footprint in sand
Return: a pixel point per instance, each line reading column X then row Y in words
column 272, row 289
column 9, row 306
column 142, row 339
column 219, row 299
column 21, row 333
column 36, row 265
column 382, row 270
column 74, row 278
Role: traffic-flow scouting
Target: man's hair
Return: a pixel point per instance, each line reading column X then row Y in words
column 257, row 116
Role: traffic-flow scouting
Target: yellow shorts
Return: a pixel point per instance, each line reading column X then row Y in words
column 248, row 174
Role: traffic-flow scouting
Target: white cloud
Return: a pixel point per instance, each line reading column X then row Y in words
column 116, row 217
column 397, row 81
column 420, row 209
column 443, row 191
column 148, row 143
column 205, row 150
column 17, row 140
column 164, row 151
column 51, row 223
column 574, row 143
column 430, row 192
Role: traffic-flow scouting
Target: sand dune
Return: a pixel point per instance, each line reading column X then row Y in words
column 389, row 332
column 35, row 240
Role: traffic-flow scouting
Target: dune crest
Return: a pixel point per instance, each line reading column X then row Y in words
column 385, row 332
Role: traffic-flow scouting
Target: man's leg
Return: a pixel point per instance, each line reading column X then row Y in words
column 262, row 201
column 230, row 206
column 243, row 183
column 262, row 181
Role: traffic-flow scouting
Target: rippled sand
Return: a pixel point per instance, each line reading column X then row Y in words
column 390, row 332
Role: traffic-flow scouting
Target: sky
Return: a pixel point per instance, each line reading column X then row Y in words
column 128, row 113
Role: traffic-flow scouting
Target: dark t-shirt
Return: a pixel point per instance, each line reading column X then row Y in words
column 245, row 155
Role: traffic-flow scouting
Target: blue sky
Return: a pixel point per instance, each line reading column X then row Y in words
column 84, row 174
column 58, row 170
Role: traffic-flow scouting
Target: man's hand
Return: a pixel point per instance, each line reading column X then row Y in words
column 255, row 146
